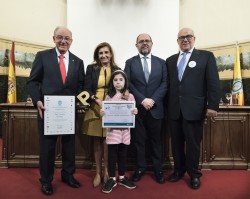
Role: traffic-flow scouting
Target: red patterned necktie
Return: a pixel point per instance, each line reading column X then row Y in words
column 62, row 68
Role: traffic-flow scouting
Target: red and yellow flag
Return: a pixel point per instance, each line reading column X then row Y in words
column 11, row 98
column 237, row 91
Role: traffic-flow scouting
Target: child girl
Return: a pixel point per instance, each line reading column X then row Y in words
column 118, row 139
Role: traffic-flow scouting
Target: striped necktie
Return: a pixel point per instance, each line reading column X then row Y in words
column 145, row 68
column 181, row 65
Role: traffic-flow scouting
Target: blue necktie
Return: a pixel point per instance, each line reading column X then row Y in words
column 145, row 68
column 181, row 65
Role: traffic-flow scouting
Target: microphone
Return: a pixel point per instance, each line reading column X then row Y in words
column 105, row 75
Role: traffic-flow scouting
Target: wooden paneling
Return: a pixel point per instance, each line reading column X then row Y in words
column 225, row 143
column 20, row 137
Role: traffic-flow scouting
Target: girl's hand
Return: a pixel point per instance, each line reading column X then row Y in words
column 102, row 113
column 125, row 95
column 135, row 111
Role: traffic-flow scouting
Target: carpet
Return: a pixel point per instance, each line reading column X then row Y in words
column 22, row 183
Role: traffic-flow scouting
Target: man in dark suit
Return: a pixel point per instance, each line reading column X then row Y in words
column 147, row 76
column 46, row 78
column 193, row 93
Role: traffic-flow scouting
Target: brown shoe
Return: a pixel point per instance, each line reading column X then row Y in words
column 97, row 180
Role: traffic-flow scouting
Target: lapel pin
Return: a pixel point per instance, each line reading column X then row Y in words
column 192, row 64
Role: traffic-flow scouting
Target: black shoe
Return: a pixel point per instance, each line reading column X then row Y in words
column 176, row 176
column 71, row 181
column 126, row 183
column 47, row 189
column 195, row 183
column 109, row 185
column 159, row 177
column 137, row 175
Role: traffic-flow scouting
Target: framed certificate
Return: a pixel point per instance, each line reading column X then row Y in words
column 59, row 115
column 118, row 114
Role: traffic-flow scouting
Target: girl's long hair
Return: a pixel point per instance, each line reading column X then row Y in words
column 111, row 89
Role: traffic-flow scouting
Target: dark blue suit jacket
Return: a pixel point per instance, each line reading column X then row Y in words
column 156, row 87
column 45, row 77
column 198, row 90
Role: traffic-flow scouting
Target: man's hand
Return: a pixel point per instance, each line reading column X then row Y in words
column 211, row 113
column 40, row 108
column 79, row 110
column 148, row 103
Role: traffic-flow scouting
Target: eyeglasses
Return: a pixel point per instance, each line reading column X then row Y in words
column 144, row 41
column 188, row 37
column 60, row 37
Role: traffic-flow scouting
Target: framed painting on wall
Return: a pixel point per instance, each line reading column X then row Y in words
column 225, row 58
column 24, row 56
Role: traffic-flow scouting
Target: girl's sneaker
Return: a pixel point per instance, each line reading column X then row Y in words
column 109, row 185
column 126, row 183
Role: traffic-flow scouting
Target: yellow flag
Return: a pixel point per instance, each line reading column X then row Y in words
column 11, row 98
column 237, row 91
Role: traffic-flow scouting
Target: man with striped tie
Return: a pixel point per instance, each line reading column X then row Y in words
column 147, row 76
column 194, row 92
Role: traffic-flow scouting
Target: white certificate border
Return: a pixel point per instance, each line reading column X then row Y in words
column 119, row 126
column 68, row 132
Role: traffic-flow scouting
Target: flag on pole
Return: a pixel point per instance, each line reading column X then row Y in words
column 11, row 97
column 237, row 90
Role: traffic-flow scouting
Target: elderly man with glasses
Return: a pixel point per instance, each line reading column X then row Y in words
column 56, row 72
column 194, row 92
